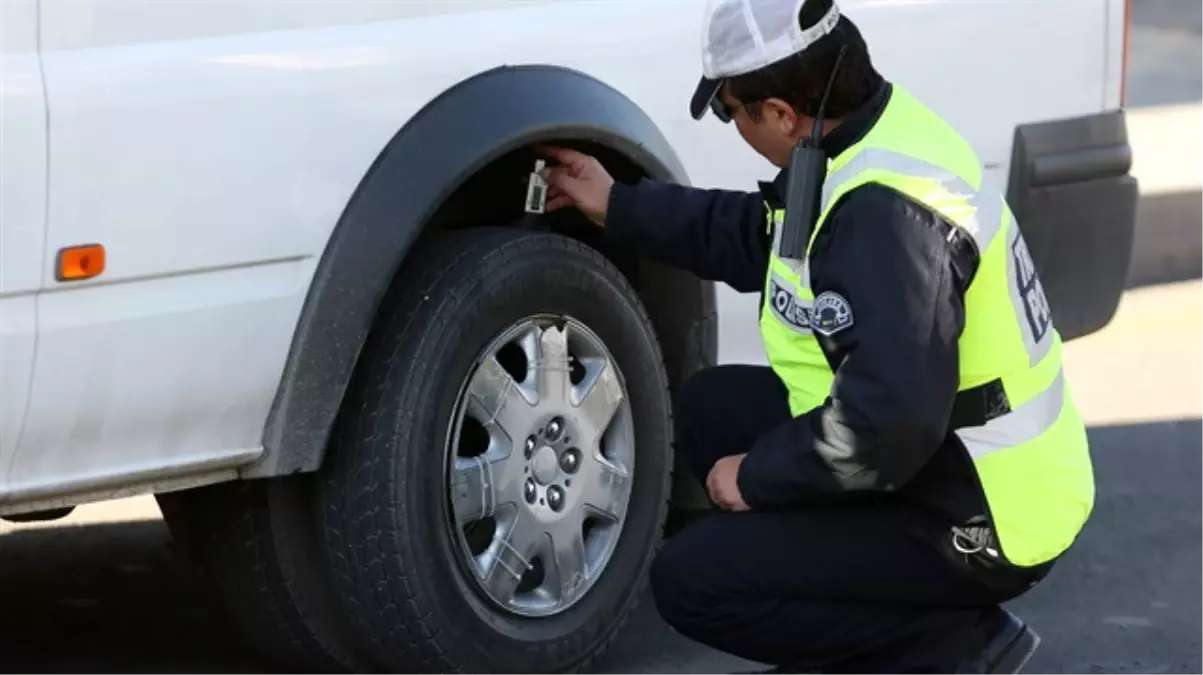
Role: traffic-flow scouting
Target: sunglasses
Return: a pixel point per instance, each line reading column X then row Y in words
column 721, row 110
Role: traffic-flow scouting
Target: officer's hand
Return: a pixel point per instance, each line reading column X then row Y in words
column 577, row 180
column 722, row 485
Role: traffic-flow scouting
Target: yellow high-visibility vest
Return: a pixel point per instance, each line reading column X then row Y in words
column 1031, row 456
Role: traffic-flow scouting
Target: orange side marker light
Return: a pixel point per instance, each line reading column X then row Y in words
column 79, row 262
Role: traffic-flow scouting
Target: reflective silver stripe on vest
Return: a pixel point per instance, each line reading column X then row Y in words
column 777, row 217
column 1027, row 294
column 789, row 309
column 1021, row 425
column 987, row 203
column 989, row 211
column 799, row 267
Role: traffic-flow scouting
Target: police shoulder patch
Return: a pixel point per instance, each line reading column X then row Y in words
column 831, row 314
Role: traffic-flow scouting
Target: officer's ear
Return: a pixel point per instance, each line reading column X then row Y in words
column 781, row 117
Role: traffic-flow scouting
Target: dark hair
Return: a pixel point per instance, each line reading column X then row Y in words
column 800, row 79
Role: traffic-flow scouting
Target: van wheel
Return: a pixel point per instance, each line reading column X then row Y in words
column 499, row 482
column 255, row 542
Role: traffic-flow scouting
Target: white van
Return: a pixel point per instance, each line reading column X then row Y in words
column 269, row 261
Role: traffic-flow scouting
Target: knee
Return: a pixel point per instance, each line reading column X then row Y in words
column 690, row 401
column 699, row 404
column 675, row 590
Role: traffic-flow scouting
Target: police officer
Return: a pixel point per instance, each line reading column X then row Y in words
column 911, row 458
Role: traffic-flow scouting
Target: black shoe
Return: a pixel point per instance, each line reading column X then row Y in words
column 1009, row 645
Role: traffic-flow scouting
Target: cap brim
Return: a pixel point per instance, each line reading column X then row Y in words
column 702, row 96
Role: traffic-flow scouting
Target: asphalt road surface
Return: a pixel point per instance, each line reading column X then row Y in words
column 100, row 591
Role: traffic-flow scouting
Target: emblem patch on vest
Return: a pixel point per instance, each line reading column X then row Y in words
column 831, row 314
column 786, row 307
column 1031, row 292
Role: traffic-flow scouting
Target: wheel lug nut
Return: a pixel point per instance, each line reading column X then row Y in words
column 570, row 461
column 554, row 429
column 530, row 447
column 529, row 491
column 555, row 498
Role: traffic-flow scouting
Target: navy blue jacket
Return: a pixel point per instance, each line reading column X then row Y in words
column 885, row 428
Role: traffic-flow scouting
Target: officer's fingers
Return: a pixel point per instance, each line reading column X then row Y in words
column 563, row 155
column 549, row 150
column 557, row 198
column 717, row 496
column 559, row 202
column 563, row 181
column 712, row 487
column 555, row 177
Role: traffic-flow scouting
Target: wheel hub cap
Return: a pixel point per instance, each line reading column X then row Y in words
column 545, row 465
column 539, row 502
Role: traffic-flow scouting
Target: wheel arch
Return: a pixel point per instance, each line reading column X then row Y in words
column 452, row 139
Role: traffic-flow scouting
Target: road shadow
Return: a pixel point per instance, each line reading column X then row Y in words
column 114, row 598
column 1168, row 242
column 1126, row 598
column 109, row 598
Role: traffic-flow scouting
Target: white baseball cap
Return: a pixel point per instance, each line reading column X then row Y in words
column 742, row 36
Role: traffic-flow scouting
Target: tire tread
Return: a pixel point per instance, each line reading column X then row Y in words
column 237, row 544
column 354, row 484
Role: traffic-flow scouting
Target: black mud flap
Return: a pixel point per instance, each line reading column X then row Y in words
column 1076, row 205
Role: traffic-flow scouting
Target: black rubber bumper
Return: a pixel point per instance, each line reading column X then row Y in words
column 1071, row 192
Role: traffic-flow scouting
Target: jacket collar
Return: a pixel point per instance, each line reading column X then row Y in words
column 854, row 127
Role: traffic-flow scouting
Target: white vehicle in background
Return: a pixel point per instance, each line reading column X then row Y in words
column 269, row 261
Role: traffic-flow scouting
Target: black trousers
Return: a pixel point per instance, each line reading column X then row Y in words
column 875, row 587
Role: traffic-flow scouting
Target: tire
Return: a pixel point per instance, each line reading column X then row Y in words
column 255, row 541
column 386, row 505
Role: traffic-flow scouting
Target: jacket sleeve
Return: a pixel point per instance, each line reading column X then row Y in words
column 718, row 235
column 894, row 355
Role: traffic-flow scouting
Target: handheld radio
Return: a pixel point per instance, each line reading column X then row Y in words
column 807, row 171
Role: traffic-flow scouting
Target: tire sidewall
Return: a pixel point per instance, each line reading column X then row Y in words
column 533, row 275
